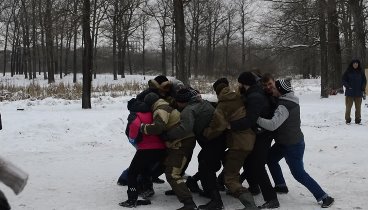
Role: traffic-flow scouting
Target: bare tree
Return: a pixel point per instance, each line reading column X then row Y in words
column 87, row 56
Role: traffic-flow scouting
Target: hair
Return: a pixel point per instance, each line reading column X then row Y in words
column 267, row 77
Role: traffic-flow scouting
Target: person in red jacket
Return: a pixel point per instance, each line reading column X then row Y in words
column 150, row 150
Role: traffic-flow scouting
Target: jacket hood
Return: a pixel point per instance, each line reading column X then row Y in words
column 227, row 95
column 351, row 65
column 290, row 97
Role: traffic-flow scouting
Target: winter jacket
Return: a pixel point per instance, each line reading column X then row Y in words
column 195, row 117
column 286, row 121
column 354, row 81
column 148, row 141
column 256, row 104
column 164, row 118
column 230, row 107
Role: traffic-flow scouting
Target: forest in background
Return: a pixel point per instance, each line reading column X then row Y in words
column 312, row 38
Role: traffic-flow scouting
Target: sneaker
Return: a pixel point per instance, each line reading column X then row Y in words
column 147, row 193
column 158, row 180
column 281, row 189
column 192, row 185
column 327, row 202
column 272, row 204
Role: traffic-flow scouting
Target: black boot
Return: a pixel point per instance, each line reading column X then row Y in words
column 4, row 205
column 132, row 198
column 215, row 203
column 189, row 205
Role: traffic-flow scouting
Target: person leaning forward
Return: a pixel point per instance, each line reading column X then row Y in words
column 179, row 150
column 240, row 143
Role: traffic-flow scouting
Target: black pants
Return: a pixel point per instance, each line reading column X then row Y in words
column 254, row 166
column 142, row 161
column 209, row 162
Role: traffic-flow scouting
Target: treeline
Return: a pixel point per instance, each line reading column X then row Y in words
column 309, row 37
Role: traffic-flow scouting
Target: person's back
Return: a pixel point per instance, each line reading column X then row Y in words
column 146, row 141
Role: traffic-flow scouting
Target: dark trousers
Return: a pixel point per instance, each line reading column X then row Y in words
column 254, row 166
column 293, row 155
column 209, row 162
column 141, row 163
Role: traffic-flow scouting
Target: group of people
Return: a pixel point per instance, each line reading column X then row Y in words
column 168, row 118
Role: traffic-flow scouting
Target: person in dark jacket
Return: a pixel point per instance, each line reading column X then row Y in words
column 195, row 116
column 258, row 105
column 354, row 81
column 289, row 142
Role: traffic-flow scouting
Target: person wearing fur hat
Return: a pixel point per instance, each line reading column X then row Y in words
column 179, row 150
column 195, row 116
column 258, row 105
column 230, row 107
column 354, row 81
column 289, row 142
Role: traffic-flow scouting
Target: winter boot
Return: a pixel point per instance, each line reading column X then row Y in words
column 272, row 204
column 192, row 185
column 12, row 176
column 327, row 202
column 247, row 200
column 188, row 205
column 132, row 198
column 147, row 193
column 215, row 203
column 4, row 205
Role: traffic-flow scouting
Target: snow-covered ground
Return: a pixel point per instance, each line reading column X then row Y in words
column 75, row 156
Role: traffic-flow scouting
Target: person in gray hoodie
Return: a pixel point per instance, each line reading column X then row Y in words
column 289, row 142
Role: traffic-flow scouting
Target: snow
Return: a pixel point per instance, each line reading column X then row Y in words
column 75, row 156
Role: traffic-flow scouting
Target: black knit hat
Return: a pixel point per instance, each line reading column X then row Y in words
column 220, row 84
column 284, row 86
column 247, row 78
column 151, row 98
column 160, row 79
column 184, row 95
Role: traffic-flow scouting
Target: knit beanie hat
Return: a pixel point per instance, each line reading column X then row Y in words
column 151, row 98
column 220, row 84
column 247, row 78
column 184, row 95
column 284, row 86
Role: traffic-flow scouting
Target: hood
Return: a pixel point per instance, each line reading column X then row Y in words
column 227, row 95
column 290, row 97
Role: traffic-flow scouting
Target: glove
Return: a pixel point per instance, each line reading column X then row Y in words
column 141, row 128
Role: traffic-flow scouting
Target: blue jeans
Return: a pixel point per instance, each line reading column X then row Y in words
column 293, row 155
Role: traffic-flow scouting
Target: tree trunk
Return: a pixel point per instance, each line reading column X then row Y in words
column 334, row 51
column 357, row 10
column 323, row 49
column 87, row 56
column 182, row 73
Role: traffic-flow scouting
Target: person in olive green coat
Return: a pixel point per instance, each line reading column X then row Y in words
column 240, row 143
column 179, row 150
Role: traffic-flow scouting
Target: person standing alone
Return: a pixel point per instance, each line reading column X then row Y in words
column 354, row 81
